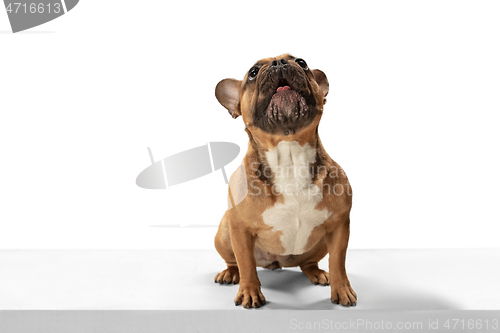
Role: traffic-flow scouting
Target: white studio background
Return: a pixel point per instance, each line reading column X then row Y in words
column 412, row 116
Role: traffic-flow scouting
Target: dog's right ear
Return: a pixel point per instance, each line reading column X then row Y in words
column 227, row 93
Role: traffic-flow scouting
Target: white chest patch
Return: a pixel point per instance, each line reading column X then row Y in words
column 297, row 216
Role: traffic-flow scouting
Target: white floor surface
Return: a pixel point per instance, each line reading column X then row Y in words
column 183, row 280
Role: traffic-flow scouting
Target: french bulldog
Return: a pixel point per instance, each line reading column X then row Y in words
column 298, row 200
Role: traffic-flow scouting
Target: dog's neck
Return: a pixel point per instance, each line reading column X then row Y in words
column 290, row 163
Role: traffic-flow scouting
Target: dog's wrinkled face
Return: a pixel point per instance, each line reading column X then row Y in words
column 279, row 96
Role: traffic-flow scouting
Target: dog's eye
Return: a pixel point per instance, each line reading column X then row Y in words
column 252, row 73
column 301, row 63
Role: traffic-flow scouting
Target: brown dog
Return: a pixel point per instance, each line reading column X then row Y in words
column 296, row 202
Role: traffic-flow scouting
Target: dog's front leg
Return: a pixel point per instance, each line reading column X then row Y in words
column 337, row 239
column 243, row 242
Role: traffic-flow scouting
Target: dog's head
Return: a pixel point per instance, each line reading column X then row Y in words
column 278, row 97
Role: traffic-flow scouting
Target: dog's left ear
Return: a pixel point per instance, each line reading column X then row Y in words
column 227, row 93
column 321, row 80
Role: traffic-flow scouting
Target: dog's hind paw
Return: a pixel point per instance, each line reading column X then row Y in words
column 316, row 275
column 231, row 275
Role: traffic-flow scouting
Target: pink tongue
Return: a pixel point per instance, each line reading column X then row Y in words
column 283, row 88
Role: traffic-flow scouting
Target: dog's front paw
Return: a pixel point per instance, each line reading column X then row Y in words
column 343, row 294
column 228, row 276
column 250, row 296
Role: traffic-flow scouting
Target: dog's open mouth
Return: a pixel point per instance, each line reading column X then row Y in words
column 286, row 105
column 283, row 85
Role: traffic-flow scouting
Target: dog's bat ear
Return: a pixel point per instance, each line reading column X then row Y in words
column 227, row 93
column 321, row 80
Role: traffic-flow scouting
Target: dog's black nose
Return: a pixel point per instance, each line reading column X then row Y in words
column 279, row 63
